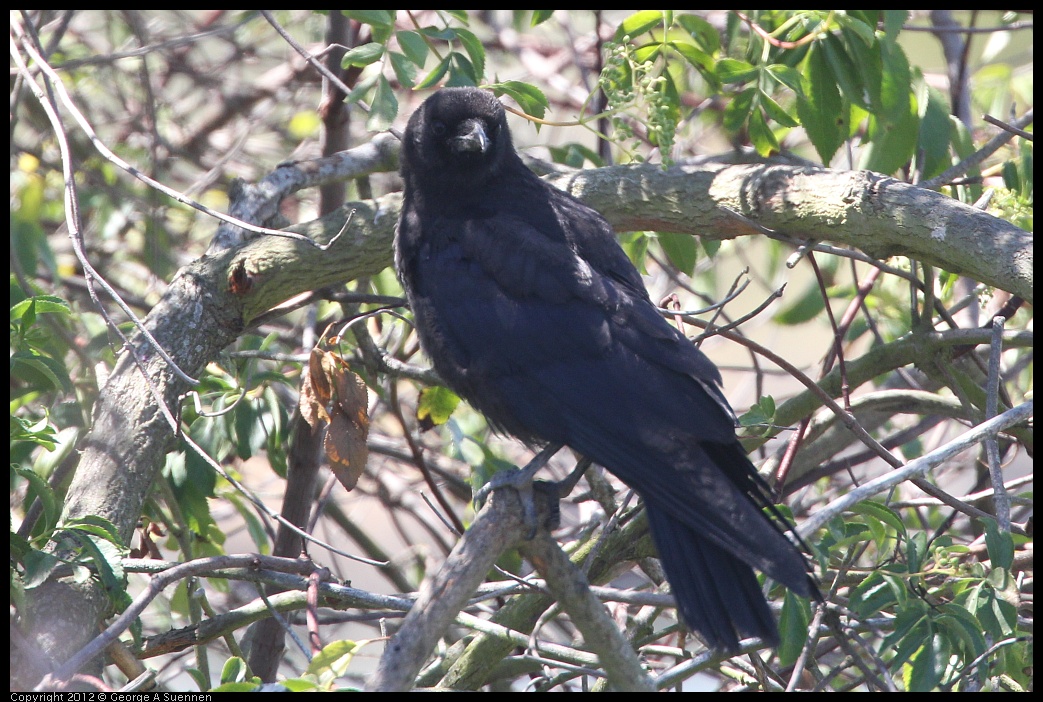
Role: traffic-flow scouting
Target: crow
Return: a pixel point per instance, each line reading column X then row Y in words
column 529, row 309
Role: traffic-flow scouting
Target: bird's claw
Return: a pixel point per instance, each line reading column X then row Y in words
column 521, row 480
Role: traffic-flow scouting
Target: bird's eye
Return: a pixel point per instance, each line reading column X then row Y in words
column 438, row 128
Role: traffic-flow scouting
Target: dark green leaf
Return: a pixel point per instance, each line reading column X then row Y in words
column 927, row 665
column 788, row 76
column 681, row 249
column 376, row 18
column 435, row 75
column 793, row 628
column 39, row 372
column 413, row 46
column 776, row 112
column 638, row 23
column 847, row 73
column 98, row 526
column 820, row 107
column 761, row 135
column 890, row 144
column 475, row 51
column 999, row 543
column 461, row 72
column 933, row 139
column 962, row 627
column 384, row 108
column 731, row 70
column 540, row 16
column 872, row 595
column 530, row 98
column 362, row 55
column 737, row 112
column 38, row 567
column 881, row 512
column 702, row 32
column 805, row 308
column 38, row 487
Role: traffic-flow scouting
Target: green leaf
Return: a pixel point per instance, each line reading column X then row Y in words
column 963, row 627
column 299, row 685
column 475, row 51
column 362, row 55
column 873, row 595
column 999, row 543
column 39, row 372
column 881, row 512
column 405, row 69
column 461, row 72
column 890, row 144
column 926, row 666
column 376, row 18
column 435, row 75
column 731, row 70
column 704, row 33
column 38, row 567
column 933, row 140
column 98, row 526
column 802, row 309
column 530, row 98
column 234, row 670
column 699, row 59
column 793, row 628
column 38, row 487
column 413, row 46
column 237, row 687
column 335, row 657
column 436, row 404
column 847, row 73
column 895, row 86
column 384, row 108
column 760, row 417
column 820, row 107
column 737, row 111
column 39, row 304
column 107, row 559
column 540, row 16
column 761, row 135
column 681, row 249
column 857, row 25
column 635, row 244
column 638, row 23
column 776, row 112
column 787, row 76
column 894, row 20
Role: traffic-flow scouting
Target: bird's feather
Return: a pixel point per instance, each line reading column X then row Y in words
column 530, row 310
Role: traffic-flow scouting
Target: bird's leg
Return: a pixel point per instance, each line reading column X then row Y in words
column 522, row 482
column 567, row 484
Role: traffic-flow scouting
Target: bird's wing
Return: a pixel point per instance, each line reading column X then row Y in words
column 550, row 347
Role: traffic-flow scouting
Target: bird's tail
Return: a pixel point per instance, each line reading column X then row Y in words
column 717, row 594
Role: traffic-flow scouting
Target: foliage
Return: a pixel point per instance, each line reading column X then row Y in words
column 923, row 596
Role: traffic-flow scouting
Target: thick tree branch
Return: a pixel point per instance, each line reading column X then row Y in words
column 211, row 301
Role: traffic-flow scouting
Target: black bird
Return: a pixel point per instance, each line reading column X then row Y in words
column 530, row 310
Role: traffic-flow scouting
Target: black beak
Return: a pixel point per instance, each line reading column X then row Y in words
column 472, row 140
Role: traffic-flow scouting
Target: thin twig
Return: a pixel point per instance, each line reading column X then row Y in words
column 992, row 449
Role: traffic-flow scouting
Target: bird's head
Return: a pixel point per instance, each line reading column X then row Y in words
column 457, row 137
